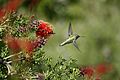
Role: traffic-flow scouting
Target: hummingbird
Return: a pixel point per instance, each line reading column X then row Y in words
column 72, row 38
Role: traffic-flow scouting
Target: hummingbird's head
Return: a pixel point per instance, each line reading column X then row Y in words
column 77, row 36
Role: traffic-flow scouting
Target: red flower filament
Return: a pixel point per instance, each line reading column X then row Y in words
column 103, row 68
column 44, row 30
column 87, row 71
column 12, row 5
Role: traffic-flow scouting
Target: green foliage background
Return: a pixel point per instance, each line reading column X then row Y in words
column 98, row 20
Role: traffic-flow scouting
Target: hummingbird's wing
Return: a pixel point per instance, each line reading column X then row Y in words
column 70, row 32
column 75, row 44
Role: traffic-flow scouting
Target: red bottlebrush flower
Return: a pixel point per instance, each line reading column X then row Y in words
column 102, row 68
column 17, row 44
column 2, row 13
column 12, row 43
column 12, row 5
column 22, row 44
column 44, row 30
column 87, row 71
column 26, row 46
column 95, row 72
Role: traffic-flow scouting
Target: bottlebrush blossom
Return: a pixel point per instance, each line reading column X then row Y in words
column 87, row 71
column 17, row 44
column 44, row 29
column 12, row 43
column 22, row 44
column 95, row 72
column 26, row 45
column 12, row 5
column 103, row 68
column 2, row 13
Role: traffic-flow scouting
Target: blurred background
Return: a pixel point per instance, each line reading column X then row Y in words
column 98, row 20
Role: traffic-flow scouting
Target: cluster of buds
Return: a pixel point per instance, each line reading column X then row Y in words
column 40, row 42
column 22, row 29
column 34, row 24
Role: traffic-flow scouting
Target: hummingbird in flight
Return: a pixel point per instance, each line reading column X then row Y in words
column 72, row 38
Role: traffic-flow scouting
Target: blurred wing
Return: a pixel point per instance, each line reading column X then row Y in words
column 70, row 32
column 75, row 44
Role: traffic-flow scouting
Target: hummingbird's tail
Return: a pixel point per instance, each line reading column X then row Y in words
column 61, row 44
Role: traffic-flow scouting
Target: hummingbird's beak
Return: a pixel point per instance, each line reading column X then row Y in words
column 52, row 33
column 77, row 36
column 82, row 36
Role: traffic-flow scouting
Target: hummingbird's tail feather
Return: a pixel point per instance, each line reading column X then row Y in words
column 60, row 45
